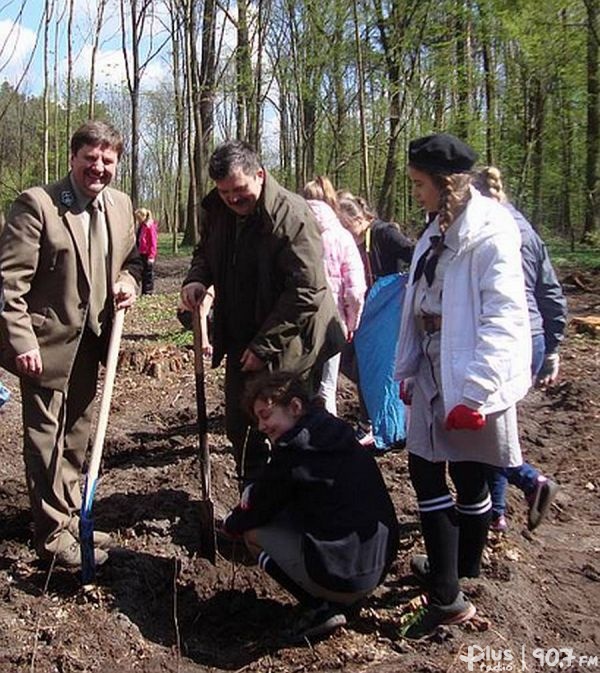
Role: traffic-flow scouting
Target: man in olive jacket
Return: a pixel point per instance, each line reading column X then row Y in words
column 67, row 260
column 261, row 249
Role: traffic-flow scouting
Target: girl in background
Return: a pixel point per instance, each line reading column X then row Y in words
column 384, row 251
column 147, row 240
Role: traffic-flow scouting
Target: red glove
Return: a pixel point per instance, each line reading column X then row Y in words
column 464, row 418
column 406, row 390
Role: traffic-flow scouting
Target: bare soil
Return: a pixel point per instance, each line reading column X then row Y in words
column 159, row 606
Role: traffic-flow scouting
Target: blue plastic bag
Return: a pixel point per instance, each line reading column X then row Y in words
column 4, row 394
column 375, row 343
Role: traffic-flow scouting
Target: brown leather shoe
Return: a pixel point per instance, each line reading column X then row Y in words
column 70, row 556
column 101, row 539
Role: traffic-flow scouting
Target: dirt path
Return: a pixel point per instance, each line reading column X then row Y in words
column 160, row 607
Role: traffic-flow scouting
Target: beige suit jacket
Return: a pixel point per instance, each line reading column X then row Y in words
column 44, row 269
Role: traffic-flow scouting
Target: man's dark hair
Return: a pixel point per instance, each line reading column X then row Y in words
column 97, row 134
column 233, row 154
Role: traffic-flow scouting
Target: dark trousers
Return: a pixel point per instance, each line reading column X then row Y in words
column 454, row 533
column 250, row 447
column 147, row 275
column 349, row 368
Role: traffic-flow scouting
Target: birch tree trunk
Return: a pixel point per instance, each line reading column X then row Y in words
column 48, row 11
column 98, row 23
column 177, row 201
column 69, row 96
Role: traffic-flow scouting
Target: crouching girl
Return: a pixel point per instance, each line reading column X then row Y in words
column 320, row 521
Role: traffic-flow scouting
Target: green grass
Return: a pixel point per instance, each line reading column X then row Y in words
column 572, row 254
column 179, row 337
column 583, row 257
column 165, row 247
column 153, row 320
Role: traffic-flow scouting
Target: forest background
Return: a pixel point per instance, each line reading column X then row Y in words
column 334, row 87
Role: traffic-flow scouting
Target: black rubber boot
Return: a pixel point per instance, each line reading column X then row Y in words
column 440, row 532
column 473, row 532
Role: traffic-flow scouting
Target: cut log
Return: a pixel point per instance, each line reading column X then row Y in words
column 589, row 324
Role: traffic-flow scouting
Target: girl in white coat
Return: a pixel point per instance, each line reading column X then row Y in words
column 463, row 362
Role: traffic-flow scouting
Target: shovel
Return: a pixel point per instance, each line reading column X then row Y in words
column 86, row 523
column 208, row 536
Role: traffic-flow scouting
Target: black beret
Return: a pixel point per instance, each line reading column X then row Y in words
column 441, row 153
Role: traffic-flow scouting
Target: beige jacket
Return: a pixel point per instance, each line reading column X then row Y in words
column 44, row 271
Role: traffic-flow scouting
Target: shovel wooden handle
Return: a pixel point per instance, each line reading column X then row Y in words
column 86, row 522
column 201, row 405
column 107, row 391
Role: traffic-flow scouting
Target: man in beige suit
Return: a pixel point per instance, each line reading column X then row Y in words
column 68, row 259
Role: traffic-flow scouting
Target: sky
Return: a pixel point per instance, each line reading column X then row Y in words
column 21, row 47
column 21, row 20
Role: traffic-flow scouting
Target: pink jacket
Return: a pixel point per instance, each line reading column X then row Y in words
column 147, row 238
column 343, row 264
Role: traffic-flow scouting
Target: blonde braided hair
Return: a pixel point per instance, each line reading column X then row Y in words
column 488, row 181
column 454, row 196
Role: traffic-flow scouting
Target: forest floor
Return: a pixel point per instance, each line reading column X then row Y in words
column 159, row 606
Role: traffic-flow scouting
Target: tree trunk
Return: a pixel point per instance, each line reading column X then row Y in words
column 192, row 229
column 207, row 86
column 592, row 210
column 487, row 57
column 244, row 72
column 365, row 177
column 133, row 85
column 177, row 201
column 538, row 115
column 392, row 33
column 48, row 10
column 95, row 46
column 69, row 101
column 462, row 45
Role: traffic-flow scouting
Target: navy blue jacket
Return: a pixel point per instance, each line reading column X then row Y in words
column 545, row 299
column 334, row 493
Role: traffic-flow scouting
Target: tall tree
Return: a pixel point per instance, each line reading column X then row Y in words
column 394, row 35
column 48, row 14
column 98, row 23
column 69, row 101
column 134, row 16
column 592, row 179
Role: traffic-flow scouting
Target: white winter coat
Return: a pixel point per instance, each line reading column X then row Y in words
column 485, row 337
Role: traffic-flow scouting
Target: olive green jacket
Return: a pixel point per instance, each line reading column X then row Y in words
column 299, row 322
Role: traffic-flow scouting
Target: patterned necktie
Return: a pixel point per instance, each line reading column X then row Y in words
column 98, row 276
column 427, row 262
